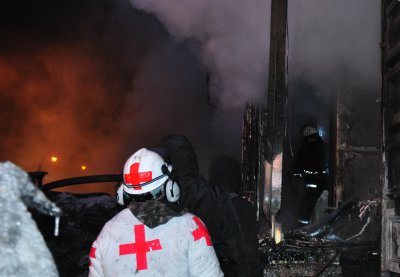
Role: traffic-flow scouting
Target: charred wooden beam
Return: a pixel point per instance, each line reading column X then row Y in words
column 276, row 111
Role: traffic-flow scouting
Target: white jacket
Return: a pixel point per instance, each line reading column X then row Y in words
column 180, row 247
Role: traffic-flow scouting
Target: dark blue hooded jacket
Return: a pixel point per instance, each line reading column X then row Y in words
column 210, row 202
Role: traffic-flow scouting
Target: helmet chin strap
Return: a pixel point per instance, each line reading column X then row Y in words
column 166, row 171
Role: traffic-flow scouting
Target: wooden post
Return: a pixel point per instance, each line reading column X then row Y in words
column 276, row 111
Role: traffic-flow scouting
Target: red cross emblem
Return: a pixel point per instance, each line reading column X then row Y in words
column 201, row 231
column 92, row 255
column 140, row 247
column 136, row 178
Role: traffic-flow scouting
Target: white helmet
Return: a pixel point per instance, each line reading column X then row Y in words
column 146, row 172
column 309, row 130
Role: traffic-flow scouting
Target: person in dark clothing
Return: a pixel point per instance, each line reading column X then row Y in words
column 310, row 174
column 210, row 202
column 226, row 172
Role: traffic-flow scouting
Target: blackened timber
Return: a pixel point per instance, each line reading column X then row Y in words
column 253, row 156
column 276, row 115
column 277, row 89
column 333, row 165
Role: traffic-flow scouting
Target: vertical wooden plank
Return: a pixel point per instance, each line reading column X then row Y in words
column 276, row 111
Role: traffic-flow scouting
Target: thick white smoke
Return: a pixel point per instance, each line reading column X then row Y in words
column 335, row 44
column 234, row 39
column 333, row 49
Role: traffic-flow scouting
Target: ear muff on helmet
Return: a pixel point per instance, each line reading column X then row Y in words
column 171, row 189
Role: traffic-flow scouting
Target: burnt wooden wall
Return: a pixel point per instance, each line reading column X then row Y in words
column 391, row 136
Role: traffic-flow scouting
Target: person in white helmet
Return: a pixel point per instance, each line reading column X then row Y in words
column 152, row 236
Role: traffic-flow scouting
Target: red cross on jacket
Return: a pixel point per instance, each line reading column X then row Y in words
column 201, row 232
column 92, row 255
column 140, row 247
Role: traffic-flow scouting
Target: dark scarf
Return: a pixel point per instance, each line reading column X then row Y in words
column 153, row 213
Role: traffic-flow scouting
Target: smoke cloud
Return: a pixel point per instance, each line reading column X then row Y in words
column 335, row 44
column 92, row 81
column 333, row 48
column 66, row 72
column 234, row 40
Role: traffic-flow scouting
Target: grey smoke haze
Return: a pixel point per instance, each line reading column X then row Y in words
column 92, row 81
column 335, row 44
column 234, row 40
column 66, row 71
column 333, row 47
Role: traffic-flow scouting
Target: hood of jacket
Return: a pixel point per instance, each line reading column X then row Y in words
column 182, row 156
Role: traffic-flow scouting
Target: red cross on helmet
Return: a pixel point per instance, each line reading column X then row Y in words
column 143, row 172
